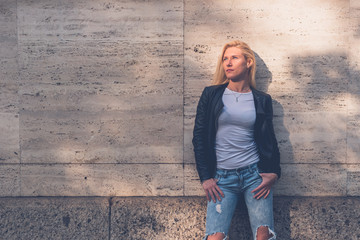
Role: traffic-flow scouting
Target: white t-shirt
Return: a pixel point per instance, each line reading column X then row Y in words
column 235, row 145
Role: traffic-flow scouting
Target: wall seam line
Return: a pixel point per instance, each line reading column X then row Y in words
column 109, row 216
column 18, row 95
column 347, row 105
column 183, row 99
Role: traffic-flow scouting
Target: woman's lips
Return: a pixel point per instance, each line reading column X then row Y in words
column 229, row 70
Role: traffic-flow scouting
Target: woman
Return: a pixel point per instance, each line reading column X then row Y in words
column 235, row 147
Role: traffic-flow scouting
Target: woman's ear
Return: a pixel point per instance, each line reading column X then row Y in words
column 249, row 63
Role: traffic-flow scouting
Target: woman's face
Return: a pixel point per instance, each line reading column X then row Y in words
column 235, row 65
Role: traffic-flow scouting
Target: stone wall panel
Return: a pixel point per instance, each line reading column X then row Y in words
column 94, row 20
column 192, row 184
column 9, row 140
column 311, row 137
column 296, row 180
column 353, row 137
column 9, row 100
column 102, row 180
column 312, row 180
column 353, row 123
column 111, row 137
column 95, row 91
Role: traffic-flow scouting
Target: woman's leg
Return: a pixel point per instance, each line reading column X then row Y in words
column 260, row 210
column 220, row 213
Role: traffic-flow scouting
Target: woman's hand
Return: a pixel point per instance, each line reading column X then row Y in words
column 212, row 190
column 263, row 190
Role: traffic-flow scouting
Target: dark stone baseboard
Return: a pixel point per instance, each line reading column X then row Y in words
column 130, row 218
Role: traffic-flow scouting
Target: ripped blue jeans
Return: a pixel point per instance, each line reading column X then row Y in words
column 234, row 183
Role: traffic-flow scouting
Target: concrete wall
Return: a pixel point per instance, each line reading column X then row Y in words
column 98, row 98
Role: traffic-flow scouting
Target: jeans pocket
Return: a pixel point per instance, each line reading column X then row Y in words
column 258, row 173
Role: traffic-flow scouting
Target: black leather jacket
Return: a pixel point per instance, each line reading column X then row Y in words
column 208, row 111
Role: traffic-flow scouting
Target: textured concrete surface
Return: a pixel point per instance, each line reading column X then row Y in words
column 353, row 180
column 317, row 218
column 102, row 180
column 9, row 99
column 164, row 218
column 103, row 95
column 157, row 218
column 93, row 90
column 10, row 180
column 184, row 218
column 54, row 218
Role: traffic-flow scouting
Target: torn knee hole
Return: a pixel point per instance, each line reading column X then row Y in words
column 216, row 236
column 264, row 233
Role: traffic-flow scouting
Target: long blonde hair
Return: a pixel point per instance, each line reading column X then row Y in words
column 219, row 75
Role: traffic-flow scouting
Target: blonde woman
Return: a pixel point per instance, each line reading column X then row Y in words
column 235, row 147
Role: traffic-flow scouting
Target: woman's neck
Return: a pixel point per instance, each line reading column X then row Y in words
column 241, row 86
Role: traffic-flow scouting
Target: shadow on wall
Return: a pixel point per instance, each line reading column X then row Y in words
column 327, row 87
column 263, row 81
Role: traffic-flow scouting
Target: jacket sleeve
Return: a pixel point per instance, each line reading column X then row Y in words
column 200, row 136
column 274, row 165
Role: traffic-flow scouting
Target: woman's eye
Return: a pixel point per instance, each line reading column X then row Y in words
column 235, row 57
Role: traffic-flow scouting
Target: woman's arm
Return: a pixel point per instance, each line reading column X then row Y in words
column 209, row 185
column 274, row 170
column 200, row 136
column 275, row 156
